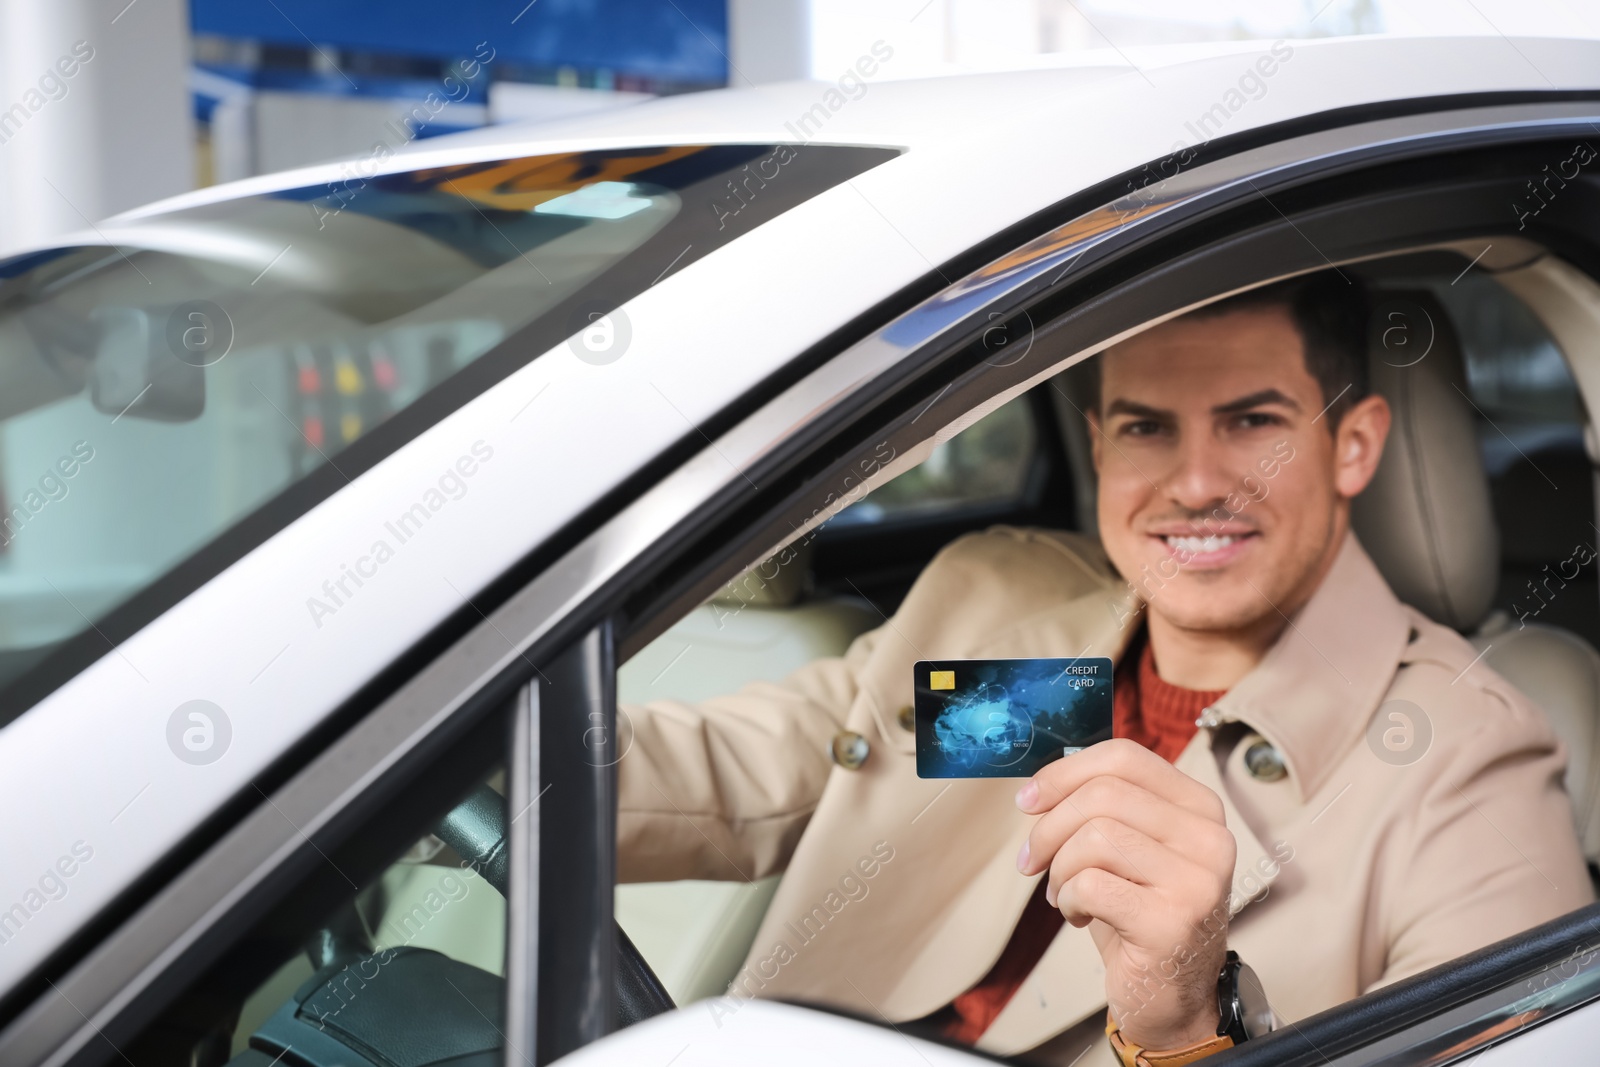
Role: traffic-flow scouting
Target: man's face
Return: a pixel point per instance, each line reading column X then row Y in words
column 1223, row 496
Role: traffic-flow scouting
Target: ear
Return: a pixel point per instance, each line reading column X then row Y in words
column 1358, row 445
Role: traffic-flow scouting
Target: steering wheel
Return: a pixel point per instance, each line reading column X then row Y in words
column 476, row 829
column 394, row 1008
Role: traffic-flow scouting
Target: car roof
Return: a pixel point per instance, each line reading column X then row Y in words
column 1153, row 93
column 983, row 152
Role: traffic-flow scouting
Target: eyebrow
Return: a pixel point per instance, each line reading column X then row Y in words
column 1232, row 407
column 1142, row 411
column 1255, row 400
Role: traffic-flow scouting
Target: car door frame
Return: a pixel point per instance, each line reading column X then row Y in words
column 1118, row 263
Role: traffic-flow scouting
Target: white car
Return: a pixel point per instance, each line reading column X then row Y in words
column 340, row 506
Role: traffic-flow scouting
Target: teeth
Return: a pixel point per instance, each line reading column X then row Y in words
column 1200, row 545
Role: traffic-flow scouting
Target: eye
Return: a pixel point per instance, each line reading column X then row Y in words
column 1254, row 420
column 1141, row 428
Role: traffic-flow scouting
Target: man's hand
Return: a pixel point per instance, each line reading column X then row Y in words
column 1140, row 846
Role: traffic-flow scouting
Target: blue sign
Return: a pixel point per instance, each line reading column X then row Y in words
column 667, row 40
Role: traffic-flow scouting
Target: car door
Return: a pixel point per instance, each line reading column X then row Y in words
column 1320, row 191
column 1308, row 232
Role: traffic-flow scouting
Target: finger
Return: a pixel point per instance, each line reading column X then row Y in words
column 1124, row 759
column 1160, row 819
column 1182, row 885
column 1117, row 758
column 1142, row 915
column 1115, row 847
column 1096, row 894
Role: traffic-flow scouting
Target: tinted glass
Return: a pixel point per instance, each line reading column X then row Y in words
column 400, row 961
column 985, row 464
column 1530, row 422
column 170, row 386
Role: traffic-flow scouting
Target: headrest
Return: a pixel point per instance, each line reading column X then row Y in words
column 1427, row 520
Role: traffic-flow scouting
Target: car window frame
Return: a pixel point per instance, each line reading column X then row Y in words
column 1451, row 1013
column 652, row 556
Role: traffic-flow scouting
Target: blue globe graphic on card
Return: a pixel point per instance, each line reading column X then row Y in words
column 1006, row 718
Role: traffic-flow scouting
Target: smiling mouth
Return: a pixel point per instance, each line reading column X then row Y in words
column 1202, row 545
column 1206, row 550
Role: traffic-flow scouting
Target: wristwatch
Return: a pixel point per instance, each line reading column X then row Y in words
column 1243, row 1010
column 1242, row 1002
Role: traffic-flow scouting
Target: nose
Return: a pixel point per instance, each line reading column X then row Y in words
column 1200, row 477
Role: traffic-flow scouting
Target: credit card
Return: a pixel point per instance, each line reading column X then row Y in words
column 1006, row 718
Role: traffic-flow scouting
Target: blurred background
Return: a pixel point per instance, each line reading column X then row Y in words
column 109, row 104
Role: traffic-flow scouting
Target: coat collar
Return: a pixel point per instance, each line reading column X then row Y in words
column 1316, row 689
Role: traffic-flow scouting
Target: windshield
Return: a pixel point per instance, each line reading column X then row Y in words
column 164, row 387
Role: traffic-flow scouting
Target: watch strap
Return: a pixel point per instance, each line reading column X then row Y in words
column 1131, row 1055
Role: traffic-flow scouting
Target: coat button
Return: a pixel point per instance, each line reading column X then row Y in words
column 1264, row 762
column 908, row 718
column 849, row 749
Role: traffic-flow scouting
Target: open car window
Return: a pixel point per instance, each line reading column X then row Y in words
column 1515, row 396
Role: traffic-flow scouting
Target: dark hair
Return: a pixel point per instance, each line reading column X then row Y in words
column 1330, row 311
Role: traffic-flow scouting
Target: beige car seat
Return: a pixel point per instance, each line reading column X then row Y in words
column 696, row 934
column 1428, row 522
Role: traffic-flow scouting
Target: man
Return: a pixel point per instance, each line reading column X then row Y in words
column 1229, row 444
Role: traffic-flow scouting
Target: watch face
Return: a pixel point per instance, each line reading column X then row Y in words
column 1254, row 1011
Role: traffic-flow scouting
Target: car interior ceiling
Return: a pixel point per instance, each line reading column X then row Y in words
column 1477, row 516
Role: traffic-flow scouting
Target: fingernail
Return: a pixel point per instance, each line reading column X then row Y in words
column 1028, row 794
column 1050, row 896
column 1022, row 858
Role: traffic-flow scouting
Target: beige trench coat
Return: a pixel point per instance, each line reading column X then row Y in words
column 899, row 892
